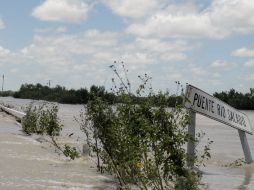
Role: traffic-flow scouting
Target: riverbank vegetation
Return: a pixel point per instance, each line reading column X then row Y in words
column 7, row 93
column 82, row 96
column 238, row 100
column 56, row 94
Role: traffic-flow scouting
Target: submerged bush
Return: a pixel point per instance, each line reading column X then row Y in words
column 140, row 144
column 43, row 120
column 29, row 121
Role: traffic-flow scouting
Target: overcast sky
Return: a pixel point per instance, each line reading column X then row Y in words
column 208, row 43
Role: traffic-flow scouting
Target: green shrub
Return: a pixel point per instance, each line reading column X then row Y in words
column 140, row 144
column 29, row 122
column 70, row 152
column 43, row 120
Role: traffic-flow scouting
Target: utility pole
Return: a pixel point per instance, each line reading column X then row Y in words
column 3, row 84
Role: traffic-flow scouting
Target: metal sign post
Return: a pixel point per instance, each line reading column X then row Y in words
column 245, row 146
column 191, row 143
column 209, row 106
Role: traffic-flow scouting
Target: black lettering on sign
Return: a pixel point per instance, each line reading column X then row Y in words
column 212, row 102
column 221, row 111
column 230, row 115
column 206, row 104
column 209, row 105
column 199, row 100
column 195, row 98
column 218, row 109
column 203, row 103
column 244, row 124
column 236, row 118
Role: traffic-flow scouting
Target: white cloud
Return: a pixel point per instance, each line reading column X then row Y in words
column 216, row 75
column 86, row 55
column 95, row 47
column 249, row 63
column 164, row 50
column 233, row 15
column 243, row 52
column 198, row 71
column 221, row 64
column 4, row 52
column 62, row 52
column 2, row 25
column 14, row 70
column 219, row 20
column 51, row 30
column 248, row 77
column 173, row 27
column 132, row 8
column 157, row 45
column 62, row 10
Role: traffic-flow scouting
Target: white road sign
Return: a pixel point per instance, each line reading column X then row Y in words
column 203, row 103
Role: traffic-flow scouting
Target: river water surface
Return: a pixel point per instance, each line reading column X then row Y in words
column 25, row 163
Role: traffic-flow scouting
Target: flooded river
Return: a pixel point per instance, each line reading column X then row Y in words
column 28, row 164
column 25, row 163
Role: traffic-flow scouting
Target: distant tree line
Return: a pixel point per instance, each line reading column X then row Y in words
column 6, row 93
column 81, row 96
column 61, row 94
column 237, row 99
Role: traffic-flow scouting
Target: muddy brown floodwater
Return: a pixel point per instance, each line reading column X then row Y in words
column 25, row 163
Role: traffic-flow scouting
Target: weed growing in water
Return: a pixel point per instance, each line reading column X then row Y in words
column 43, row 120
column 237, row 163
